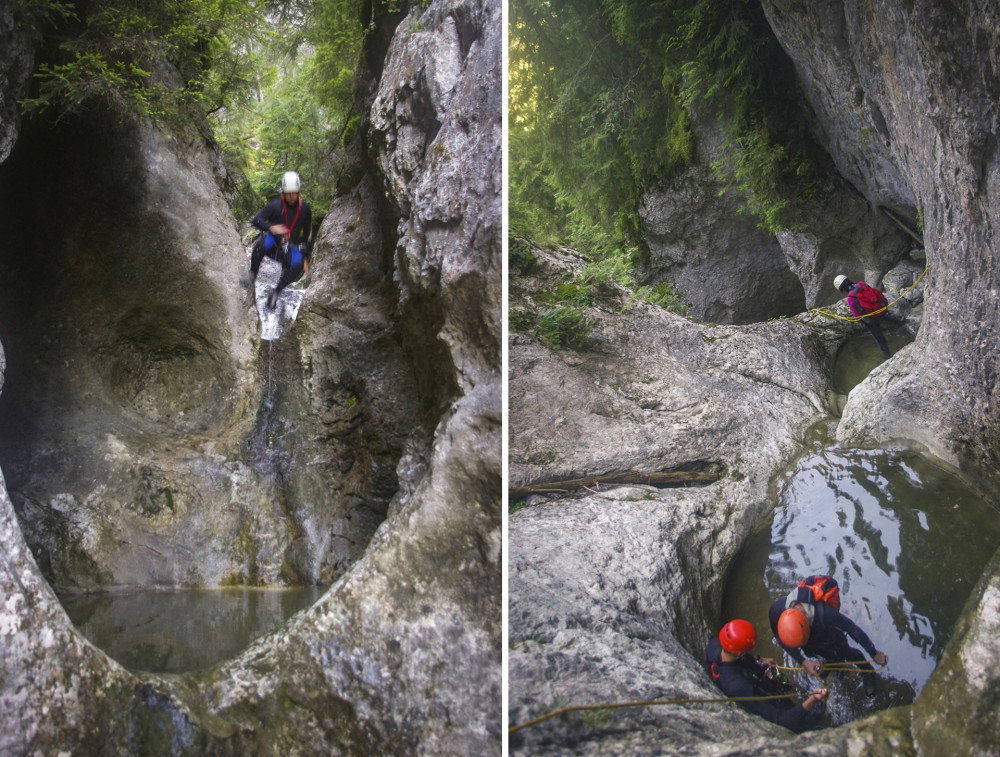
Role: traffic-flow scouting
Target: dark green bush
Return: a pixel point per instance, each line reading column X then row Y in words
column 521, row 320
column 662, row 295
column 520, row 259
column 564, row 326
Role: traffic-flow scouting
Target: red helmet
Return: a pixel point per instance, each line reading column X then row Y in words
column 793, row 628
column 738, row 636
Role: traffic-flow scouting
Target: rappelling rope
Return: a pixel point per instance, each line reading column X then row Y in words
column 856, row 318
column 841, row 667
column 846, row 667
column 649, row 703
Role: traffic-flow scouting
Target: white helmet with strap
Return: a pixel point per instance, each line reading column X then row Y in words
column 290, row 182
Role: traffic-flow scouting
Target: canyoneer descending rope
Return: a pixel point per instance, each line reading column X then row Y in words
column 286, row 226
column 870, row 306
column 808, row 622
column 867, row 305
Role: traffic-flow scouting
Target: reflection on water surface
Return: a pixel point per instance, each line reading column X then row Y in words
column 182, row 631
column 905, row 539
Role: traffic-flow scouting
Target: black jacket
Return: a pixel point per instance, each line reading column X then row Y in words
column 298, row 218
column 743, row 678
column 827, row 637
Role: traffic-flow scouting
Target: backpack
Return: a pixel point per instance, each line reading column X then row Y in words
column 820, row 589
column 870, row 299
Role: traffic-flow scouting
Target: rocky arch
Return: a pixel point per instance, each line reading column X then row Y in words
column 378, row 468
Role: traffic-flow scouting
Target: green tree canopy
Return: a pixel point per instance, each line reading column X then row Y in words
column 275, row 77
column 601, row 97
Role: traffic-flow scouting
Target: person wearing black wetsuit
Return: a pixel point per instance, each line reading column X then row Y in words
column 741, row 674
column 806, row 628
column 285, row 219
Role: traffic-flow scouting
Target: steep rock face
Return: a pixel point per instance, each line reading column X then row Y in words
column 906, row 98
column 728, row 269
column 922, row 76
column 437, row 171
column 16, row 62
column 701, row 238
column 384, row 645
column 842, row 234
column 371, row 668
column 131, row 362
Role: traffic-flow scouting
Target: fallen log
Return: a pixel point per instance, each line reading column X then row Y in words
column 662, row 480
column 901, row 224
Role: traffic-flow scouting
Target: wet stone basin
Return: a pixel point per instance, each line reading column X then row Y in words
column 905, row 539
column 182, row 631
column 860, row 355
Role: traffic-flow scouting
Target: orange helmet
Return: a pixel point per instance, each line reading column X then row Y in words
column 793, row 628
column 738, row 636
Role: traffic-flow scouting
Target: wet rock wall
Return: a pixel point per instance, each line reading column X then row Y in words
column 416, row 510
column 612, row 592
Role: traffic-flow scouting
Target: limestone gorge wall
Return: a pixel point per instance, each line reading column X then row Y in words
column 905, row 96
column 614, row 593
column 144, row 445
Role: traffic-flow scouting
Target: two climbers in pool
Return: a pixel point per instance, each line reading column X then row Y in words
column 286, row 226
column 807, row 623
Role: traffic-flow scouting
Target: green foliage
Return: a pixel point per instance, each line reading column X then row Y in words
column 118, row 52
column 601, row 99
column 663, row 295
column 37, row 15
column 574, row 101
column 521, row 320
column 564, row 326
column 764, row 170
column 276, row 77
column 567, row 293
column 608, row 273
column 300, row 114
column 519, row 256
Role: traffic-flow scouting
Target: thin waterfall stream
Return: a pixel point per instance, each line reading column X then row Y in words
column 270, row 348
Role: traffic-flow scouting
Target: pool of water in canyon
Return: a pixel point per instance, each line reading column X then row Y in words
column 904, row 537
column 180, row 631
column 860, row 355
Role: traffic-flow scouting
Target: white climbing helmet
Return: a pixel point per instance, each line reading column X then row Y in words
column 290, row 182
column 838, row 281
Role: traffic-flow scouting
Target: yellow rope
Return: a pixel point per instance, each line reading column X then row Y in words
column 649, row 703
column 856, row 318
column 843, row 667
